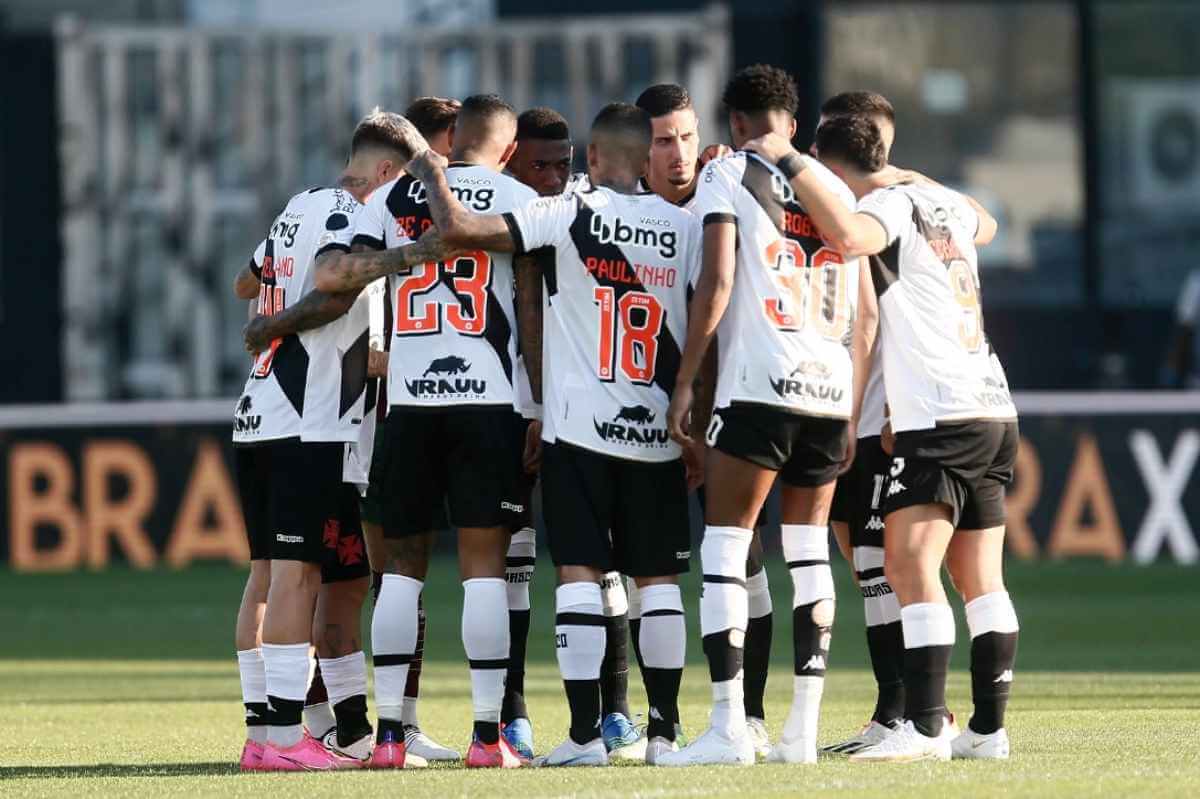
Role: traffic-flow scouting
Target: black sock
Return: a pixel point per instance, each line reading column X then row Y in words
column 514, row 684
column 284, row 712
column 662, row 693
column 724, row 659
column 256, row 714
column 992, row 657
column 925, row 670
column 412, row 686
column 487, row 732
column 757, row 659
column 614, row 670
column 352, row 723
column 635, row 629
column 886, row 645
column 583, row 696
column 390, row 730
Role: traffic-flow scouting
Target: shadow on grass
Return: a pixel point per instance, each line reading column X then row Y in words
column 119, row 770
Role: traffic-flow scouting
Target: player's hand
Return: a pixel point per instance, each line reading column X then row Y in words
column 377, row 363
column 887, row 439
column 693, row 463
column 678, row 413
column 714, row 151
column 256, row 334
column 425, row 163
column 435, row 248
column 894, row 175
column 532, row 458
column 771, row 146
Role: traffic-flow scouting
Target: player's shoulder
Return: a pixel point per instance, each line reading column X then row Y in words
column 831, row 181
column 729, row 167
column 651, row 204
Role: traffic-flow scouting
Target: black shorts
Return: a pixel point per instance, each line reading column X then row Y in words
column 613, row 514
column 858, row 498
column 465, row 458
column 525, row 481
column 807, row 451
column 965, row 465
column 296, row 507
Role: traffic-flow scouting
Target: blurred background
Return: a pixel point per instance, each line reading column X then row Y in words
column 145, row 145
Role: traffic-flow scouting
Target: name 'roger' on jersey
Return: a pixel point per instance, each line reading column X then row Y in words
column 310, row 385
column 453, row 329
column 938, row 365
column 785, row 338
column 617, row 295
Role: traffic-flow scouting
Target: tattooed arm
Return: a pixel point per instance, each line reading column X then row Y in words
column 316, row 308
column 529, row 319
column 340, row 271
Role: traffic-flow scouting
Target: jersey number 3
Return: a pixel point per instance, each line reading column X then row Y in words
column 631, row 326
column 470, row 278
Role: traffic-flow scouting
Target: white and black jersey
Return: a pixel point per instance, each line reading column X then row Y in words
column 784, row 340
column 453, row 328
column 938, row 364
column 873, row 413
column 617, row 296
column 309, row 385
column 360, row 452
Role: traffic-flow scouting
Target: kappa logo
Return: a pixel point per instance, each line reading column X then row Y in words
column 243, row 421
column 620, row 233
column 289, row 539
column 874, row 524
column 895, row 487
column 815, row 663
column 1005, row 676
column 450, row 366
column 654, row 714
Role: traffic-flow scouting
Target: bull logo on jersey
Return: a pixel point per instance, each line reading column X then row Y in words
column 631, row 426
column 243, row 421
column 639, row 414
column 450, row 365
column 437, row 386
column 813, row 369
column 617, row 232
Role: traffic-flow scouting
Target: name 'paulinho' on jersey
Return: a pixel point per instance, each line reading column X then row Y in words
column 310, row 385
column 453, row 337
column 617, row 295
column 785, row 338
column 938, row 364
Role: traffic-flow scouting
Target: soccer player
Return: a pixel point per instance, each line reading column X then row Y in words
column 855, row 515
column 793, row 336
column 955, row 430
column 450, row 430
column 434, row 118
column 672, row 173
column 304, row 403
column 614, row 486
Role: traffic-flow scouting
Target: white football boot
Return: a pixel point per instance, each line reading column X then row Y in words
column 906, row 745
column 419, row 744
column 872, row 733
column 658, row 746
column 973, row 745
column 712, row 749
column 797, row 751
column 569, row 753
column 359, row 750
column 759, row 739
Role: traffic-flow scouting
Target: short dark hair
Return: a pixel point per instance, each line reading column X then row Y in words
column 870, row 104
column 664, row 98
column 542, row 123
column 854, row 141
column 761, row 87
column 383, row 130
column 432, row 115
column 486, row 106
column 623, row 119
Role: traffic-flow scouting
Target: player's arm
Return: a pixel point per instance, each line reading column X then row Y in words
column 707, row 307
column 352, row 271
column 987, row 224
column 459, row 227
column 850, row 233
column 862, row 344
column 245, row 285
column 528, row 275
column 315, row 308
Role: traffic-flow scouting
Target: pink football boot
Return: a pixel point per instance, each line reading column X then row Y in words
column 308, row 755
column 252, row 755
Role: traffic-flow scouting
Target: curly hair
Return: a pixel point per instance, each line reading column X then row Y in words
column 854, row 141
column 761, row 88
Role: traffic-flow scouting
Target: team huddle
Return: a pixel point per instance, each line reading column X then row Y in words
column 462, row 319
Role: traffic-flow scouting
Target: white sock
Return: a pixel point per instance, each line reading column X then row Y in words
column 729, row 709
column 319, row 719
column 633, row 596
column 286, row 667
column 612, row 595
column 806, row 549
column 254, row 692
column 393, row 641
column 579, row 630
column 758, row 592
column 485, row 639
column 345, row 676
column 663, row 641
column 519, row 566
column 724, row 615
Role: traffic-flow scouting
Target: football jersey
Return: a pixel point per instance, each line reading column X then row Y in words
column 453, row 333
column 785, row 338
column 938, row 365
column 616, row 318
column 872, row 414
column 312, row 384
column 359, row 452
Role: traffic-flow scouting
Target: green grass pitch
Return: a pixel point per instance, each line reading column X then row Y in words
column 123, row 683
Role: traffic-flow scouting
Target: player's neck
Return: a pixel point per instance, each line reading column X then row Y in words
column 669, row 191
column 622, row 184
column 862, row 185
column 468, row 156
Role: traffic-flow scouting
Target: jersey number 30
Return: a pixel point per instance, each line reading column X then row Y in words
column 808, row 290
column 631, row 326
column 470, row 278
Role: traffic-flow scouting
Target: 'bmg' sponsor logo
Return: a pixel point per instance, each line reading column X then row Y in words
column 620, row 233
column 636, row 432
column 436, row 382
